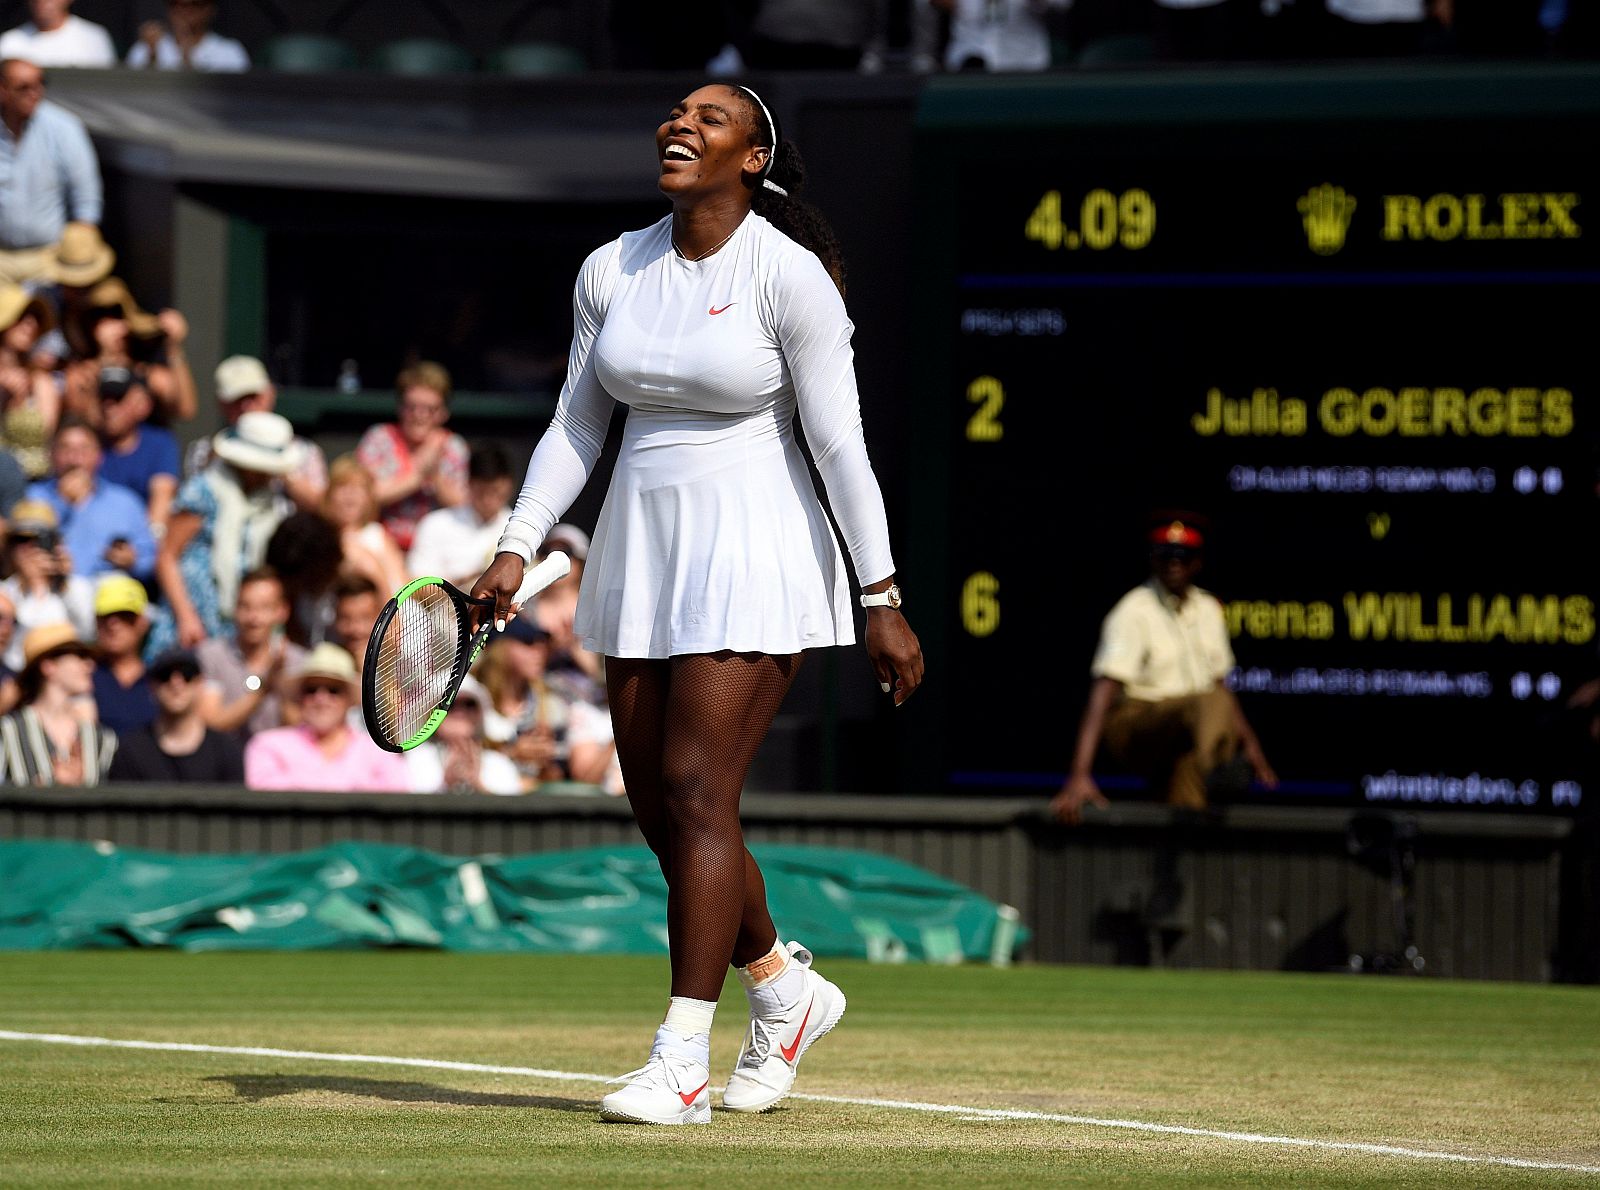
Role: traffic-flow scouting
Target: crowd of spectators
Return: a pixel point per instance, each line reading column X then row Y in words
column 203, row 613
column 54, row 36
column 209, row 629
column 731, row 36
column 211, row 625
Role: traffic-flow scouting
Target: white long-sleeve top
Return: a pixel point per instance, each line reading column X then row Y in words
column 713, row 356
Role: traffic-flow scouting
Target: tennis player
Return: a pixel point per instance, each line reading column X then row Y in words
column 713, row 567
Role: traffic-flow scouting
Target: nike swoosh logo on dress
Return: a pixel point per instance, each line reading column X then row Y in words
column 714, row 311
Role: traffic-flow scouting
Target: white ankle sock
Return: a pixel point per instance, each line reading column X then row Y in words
column 687, row 1029
column 779, row 990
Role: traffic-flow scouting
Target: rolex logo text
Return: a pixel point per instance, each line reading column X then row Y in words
column 1480, row 217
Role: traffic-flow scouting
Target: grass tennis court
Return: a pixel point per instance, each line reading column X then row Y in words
column 1486, row 1070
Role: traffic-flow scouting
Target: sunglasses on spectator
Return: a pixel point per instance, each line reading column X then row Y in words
column 128, row 618
column 307, row 689
column 187, row 672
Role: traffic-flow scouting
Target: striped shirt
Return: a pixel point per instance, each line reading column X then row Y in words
column 25, row 755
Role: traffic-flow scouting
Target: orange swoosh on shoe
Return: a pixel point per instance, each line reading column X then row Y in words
column 690, row 1097
column 789, row 1051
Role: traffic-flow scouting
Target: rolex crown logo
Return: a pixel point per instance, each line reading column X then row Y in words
column 1326, row 211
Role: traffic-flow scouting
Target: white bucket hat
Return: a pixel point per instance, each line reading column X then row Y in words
column 259, row 441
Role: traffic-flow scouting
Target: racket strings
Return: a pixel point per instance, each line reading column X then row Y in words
column 415, row 662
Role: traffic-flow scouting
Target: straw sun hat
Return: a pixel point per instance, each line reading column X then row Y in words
column 16, row 301
column 327, row 661
column 113, row 294
column 81, row 257
column 43, row 643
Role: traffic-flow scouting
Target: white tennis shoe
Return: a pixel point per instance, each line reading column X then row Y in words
column 671, row 1088
column 774, row 1045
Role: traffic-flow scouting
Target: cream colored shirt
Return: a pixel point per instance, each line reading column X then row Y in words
column 1160, row 648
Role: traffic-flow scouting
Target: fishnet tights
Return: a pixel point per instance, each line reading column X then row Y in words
column 687, row 729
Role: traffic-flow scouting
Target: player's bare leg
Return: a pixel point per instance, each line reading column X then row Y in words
column 687, row 731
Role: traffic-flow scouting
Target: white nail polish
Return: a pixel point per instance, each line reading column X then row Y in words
column 500, row 625
column 884, row 686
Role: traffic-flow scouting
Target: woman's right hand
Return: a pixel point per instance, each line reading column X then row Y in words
column 500, row 583
column 191, row 629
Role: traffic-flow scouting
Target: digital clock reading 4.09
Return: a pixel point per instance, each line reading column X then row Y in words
column 1104, row 220
column 1370, row 369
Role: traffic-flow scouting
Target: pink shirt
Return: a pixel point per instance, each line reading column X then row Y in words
column 288, row 758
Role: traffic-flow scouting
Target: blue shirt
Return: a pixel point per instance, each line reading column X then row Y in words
column 13, row 482
column 88, row 529
column 122, row 708
column 48, row 176
column 156, row 453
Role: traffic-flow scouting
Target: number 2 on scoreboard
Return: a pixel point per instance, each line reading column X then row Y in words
column 989, row 395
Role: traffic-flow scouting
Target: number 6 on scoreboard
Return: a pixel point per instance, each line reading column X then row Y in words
column 980, row 603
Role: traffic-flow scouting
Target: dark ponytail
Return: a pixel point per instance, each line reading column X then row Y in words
column 788, row 212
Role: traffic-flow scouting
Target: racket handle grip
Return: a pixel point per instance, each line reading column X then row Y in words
column 555, row 566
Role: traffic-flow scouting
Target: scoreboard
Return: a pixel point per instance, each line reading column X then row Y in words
column 1349, row 317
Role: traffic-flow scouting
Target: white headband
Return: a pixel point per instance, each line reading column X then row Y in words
column 772, row 154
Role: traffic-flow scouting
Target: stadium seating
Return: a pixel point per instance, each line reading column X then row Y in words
column 531, row 59
column 307, row 52
column 1118, row 50
column 422, row 56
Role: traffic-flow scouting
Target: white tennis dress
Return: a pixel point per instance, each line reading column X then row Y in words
column 712, row 536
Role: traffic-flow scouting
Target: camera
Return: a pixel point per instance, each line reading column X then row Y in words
column 47, row 540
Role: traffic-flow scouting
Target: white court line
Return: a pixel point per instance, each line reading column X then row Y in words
column 966, row 1112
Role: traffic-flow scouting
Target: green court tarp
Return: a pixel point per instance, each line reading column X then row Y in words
column 57, row 895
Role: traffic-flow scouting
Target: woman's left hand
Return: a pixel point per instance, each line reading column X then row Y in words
column 894, row 651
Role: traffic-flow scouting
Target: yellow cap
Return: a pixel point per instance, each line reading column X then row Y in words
column 119, row 593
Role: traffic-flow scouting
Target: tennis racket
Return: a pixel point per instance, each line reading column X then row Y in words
column 421, row 648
